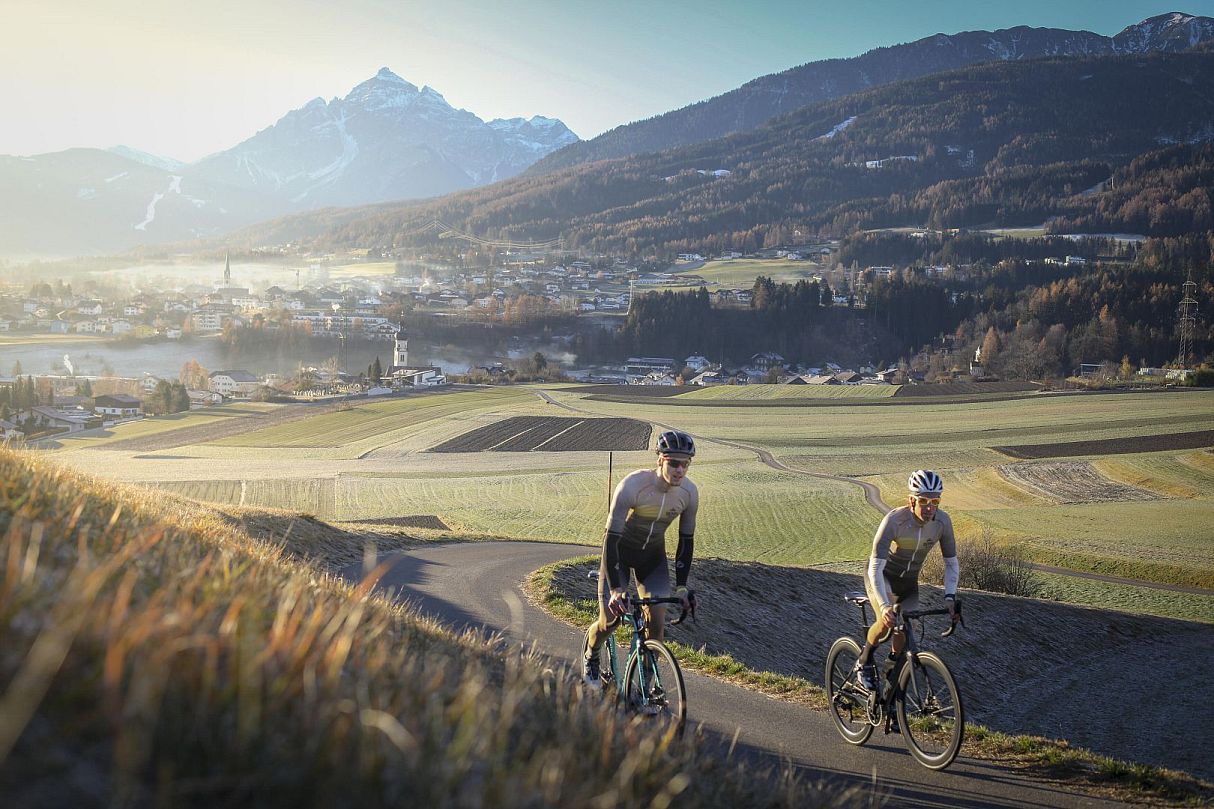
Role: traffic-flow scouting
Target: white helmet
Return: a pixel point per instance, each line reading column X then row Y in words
column 925, row 482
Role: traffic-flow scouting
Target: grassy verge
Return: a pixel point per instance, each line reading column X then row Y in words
column 1043, row 758
column 154, row 651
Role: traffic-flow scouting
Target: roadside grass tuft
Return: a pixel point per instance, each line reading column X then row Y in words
column 1046, row 759
column 153, row 652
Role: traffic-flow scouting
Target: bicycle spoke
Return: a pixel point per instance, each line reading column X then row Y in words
column 930, row 712
column 848, row 699
column 655, row 687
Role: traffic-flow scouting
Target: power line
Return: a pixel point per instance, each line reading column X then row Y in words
column 1188, row 321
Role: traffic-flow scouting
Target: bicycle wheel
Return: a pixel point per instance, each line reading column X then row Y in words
column 848, row 699
column 654, row 686
column 930, row 715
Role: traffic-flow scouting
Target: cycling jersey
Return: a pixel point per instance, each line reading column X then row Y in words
column 642, row 508
column 899, row 548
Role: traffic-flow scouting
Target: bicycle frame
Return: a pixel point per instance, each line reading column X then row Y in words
column 634, row 620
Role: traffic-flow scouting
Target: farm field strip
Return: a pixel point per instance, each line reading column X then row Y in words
column 1186, row 475
column 1114, row 446
column 370, row 419
column 766, row 392
column 1123, row 598
column 552, row 434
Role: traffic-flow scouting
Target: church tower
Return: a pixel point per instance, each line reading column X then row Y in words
column 227, row 270
column 400, row 353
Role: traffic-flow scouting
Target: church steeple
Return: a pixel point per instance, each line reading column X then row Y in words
column 400, row 352
column 227, row 270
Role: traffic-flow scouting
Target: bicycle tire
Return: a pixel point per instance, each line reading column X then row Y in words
column 664, row 693
column 847, row 699
column 930, row 713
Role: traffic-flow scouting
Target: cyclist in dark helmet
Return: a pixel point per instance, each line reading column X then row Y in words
column 644, row 504
column 903, row 540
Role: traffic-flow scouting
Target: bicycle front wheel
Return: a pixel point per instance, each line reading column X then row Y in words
column 848, row 699
column 654, row 686
column 930, row 715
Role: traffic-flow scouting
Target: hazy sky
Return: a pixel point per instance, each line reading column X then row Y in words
column 184, row 78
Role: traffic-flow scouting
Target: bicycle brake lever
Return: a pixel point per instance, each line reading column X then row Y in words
column 691, row 608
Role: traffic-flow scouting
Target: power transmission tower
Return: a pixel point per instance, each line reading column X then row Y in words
column 1188, row 321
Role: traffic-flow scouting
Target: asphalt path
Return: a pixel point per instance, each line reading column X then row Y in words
column 477, row 585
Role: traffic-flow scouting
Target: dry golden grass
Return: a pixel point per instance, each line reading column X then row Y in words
column 155, row 651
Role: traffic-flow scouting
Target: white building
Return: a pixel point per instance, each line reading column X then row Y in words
column 233, row 383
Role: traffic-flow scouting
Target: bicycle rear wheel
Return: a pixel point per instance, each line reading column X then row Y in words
column 930, row 715
column 848, row 699
column 653, row 686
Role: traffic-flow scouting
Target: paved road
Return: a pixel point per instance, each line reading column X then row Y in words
column 476, row 585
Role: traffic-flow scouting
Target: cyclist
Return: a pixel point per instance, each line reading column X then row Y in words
column 903, row 540
column 644, row 504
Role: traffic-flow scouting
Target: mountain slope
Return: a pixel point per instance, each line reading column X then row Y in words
column 757, row 101
column 1024, row 134
column 95, row 201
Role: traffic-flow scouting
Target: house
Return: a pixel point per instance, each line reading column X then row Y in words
column 766, row 360
column 849, row 378
column 53, row 418
column 642, row 366
column 118, row 404
column 708, row 378
column 415, row 377
column 10, row 433
column 233, row 383
column 821, row 379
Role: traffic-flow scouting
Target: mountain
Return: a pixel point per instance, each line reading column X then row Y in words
column 386, row 140
column 759, row 100
column 1003, row 143
column 91, row 201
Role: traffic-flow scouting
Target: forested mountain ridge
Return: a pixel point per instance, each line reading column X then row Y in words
column 757, row 101
column 1008, row 143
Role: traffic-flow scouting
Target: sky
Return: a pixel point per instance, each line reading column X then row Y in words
column 183, row 78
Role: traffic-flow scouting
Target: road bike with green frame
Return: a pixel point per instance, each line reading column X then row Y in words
column 916, row 694
column 650, row 683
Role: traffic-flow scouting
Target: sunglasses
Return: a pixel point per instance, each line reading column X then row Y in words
column 677, row 464
column 927, row 501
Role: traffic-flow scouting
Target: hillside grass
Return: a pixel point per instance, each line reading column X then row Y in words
column 153, row 652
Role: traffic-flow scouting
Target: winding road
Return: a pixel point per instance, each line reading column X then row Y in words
column 477, row 585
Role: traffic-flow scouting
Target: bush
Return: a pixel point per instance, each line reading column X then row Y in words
column 1203, row 377
column 988, row 565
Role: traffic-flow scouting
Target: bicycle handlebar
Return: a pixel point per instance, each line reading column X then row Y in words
column 941, row 611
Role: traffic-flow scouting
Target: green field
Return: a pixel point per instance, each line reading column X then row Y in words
column 370, row 461
column 741, row 273
column 164, row 424
column 380, row 421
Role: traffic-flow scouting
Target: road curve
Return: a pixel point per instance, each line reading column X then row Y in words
column 477, row 585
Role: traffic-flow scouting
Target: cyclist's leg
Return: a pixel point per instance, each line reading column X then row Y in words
column 909, row 601
column 655, row 583
column 878, row 633
column 597, row 632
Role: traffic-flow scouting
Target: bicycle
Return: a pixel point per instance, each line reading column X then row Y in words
column 652, row 682
column 916, row 697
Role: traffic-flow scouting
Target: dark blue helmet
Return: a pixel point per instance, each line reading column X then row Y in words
column 676, row 442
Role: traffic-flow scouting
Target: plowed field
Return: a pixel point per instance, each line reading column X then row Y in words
column 1072, row 482
column 1113, row 446
column 552, row 434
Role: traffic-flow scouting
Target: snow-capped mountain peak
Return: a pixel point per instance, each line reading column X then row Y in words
column 385, row 140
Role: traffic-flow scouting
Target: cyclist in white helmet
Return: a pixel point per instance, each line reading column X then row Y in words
column 643, row 506
column 903, row 540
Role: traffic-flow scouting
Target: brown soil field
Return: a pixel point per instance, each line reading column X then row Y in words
column 1129, row 686
column 1071, row 482
column 552, row 434
column 965, row 389
column 1112, row 446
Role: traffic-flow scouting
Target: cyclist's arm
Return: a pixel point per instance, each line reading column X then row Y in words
column 948, row 549
column 686, row 548
column 621, row 503
column 876, row 564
